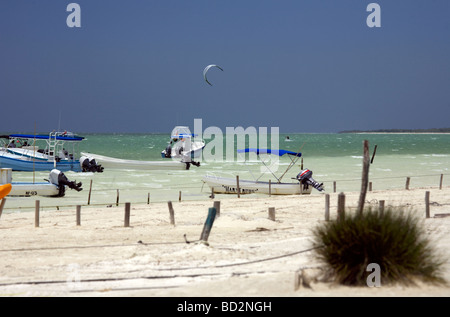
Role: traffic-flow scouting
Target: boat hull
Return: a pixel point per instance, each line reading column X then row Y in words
column 28, row 189
column 24, row 164
column 196, row 152
column 24, row 189
column 116, row 163
column 223, row 185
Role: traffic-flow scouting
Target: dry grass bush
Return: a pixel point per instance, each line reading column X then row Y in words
column 394, row 240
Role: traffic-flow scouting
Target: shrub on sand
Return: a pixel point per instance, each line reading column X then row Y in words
column 394, row 240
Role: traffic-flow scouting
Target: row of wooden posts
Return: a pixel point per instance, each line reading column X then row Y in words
column 212, row 214
column 271, row 210
column 381, row 203
column 127, row 214
column 212, row 192
column 408, row 179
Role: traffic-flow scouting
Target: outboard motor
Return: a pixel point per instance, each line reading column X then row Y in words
column 186, row 159
column 90, row 165
column 305, row 177
column 168, row 151
column 58, row 178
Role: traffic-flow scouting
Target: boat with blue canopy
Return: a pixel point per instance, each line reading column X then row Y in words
column 183, row 144
column 22, row 152
column 269, row 151
column 302, row 185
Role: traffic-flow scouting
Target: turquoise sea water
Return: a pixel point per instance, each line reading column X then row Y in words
column 332, row 158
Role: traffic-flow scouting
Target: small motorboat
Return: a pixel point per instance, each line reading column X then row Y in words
column 55, row 186
column 302, row 186
column 118, row 163
column 183, row 144
column 22, row 152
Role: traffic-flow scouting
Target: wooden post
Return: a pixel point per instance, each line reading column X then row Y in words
column 212, row 193
column 440, row 182
column 117, row 199
column 334, row 186
column 341, row 207
column 208, row 224
column 217, row 206
column 36, row 213
column 179, row 196
column 301, row 165
column 127, row 215
column 172, row 213
column 78, row 215
column 327, row 207
column 270, row 187
column 89, row 197
column 373, row 155
column 237, row 187
column 2, row 204
column 407, row 183
column 148, row 199
column 272, row 213
column 381, row 207
column 364, row 178
column 427, row 204
column 370, row 186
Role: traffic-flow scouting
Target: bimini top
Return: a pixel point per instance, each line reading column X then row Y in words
column 47, row 137
column 183, row 136
column 181, row 132
column 269, row 151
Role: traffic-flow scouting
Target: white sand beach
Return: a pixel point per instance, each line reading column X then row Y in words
column 247, row 253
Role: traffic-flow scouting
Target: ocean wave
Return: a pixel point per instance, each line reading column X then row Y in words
column 440, row 155
column 162, row 180
column 152, row 185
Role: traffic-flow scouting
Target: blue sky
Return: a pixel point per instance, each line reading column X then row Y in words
column 308, row 66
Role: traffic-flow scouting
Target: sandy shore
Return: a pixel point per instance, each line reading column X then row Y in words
column 248, row 254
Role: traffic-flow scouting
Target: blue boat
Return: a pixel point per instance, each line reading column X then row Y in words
column 21, row 152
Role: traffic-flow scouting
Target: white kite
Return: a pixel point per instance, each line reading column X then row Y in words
column 207, row 69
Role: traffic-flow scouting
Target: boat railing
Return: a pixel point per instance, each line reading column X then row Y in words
column 55, row 147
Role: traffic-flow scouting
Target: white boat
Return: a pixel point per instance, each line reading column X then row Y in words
column 225, row 185
column 303, row 185
column 117, row 163
column 28, row 189
column 183, row 144
column 50, row 188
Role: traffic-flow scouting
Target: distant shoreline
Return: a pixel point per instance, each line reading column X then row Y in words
column 435, row 130
column 378, row 131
